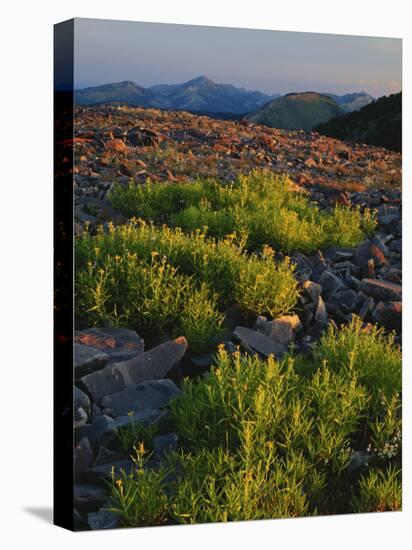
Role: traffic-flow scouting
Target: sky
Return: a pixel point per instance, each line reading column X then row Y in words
column 265, row 60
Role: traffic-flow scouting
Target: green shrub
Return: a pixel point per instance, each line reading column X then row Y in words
column 159, row 279
column 379, row 491
column 372, row 354
column 263, row 207
column 139, row 497
column 266, row 438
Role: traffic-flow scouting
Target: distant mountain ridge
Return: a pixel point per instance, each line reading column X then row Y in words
column 202, row 95
column 199, row 94
column 379, row 123
column 352, row 102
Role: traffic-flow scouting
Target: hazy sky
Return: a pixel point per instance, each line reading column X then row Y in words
column 269, row 61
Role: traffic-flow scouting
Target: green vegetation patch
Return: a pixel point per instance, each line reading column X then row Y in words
column 162, row 280
column 263, row 208
column 270, row 439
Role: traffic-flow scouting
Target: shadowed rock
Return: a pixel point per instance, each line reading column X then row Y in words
column 259, row 342
column 388, row 314
column 88, row 359
column 382, row 290
column 152, row 365
column 152, row 394
column 101, row 432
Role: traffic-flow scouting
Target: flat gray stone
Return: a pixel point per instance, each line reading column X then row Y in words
column 152, row 394
column 106, row 456
column 313, row 290
column 101, row 433
column 89, row 498
column 384, row 291
column 388, row 314
column 121, row 344
column 103, row 519
column 88, row 359
column 259, row 342
column 152, row 365
column 280, row 330
column 331, row 283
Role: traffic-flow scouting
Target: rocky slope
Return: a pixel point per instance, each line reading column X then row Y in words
column 119, row 381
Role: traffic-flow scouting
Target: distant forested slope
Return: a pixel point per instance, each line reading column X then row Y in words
column 379, row 123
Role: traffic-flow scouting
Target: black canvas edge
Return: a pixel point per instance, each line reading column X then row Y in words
column 63, row 478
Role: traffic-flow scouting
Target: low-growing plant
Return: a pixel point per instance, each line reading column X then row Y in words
column 139, row 497
column 134, row 433
column 264, row 207
column 372, row 352
column 159, row 279
column 267, row 438
column 379, row 491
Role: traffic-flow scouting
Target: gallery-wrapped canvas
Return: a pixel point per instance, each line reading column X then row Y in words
column 228, row 271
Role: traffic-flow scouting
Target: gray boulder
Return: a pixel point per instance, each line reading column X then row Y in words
column 152, row 365
column 89, row 498
column 259, row 342
column 101, row 433
column 152, row 394
column 82, row 408
column 382, row 290
column 88, row 359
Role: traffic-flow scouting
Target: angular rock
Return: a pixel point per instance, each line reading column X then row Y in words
column 89, row 498
column 382, row 290
column 260, row 323
column 120, row 344
column 396, row 246
column 101, row 433
column 83, row 457
column 368, row 269
column 152, row 394
column 370, row 250
column 346, row 299
column 388, row 314
column 280, row 331
column 366, row 310
column 259, row 342
column 88, row 359
column 337, row 254
column 154, row 364
column 103, row 519
column 313, row 290
column 321, row 315
column 390, row 222
column 330, row 283
column 394, row 276
column 106, row 456
column 82, row 408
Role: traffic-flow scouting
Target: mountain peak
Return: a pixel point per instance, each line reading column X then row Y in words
column 200, row 80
